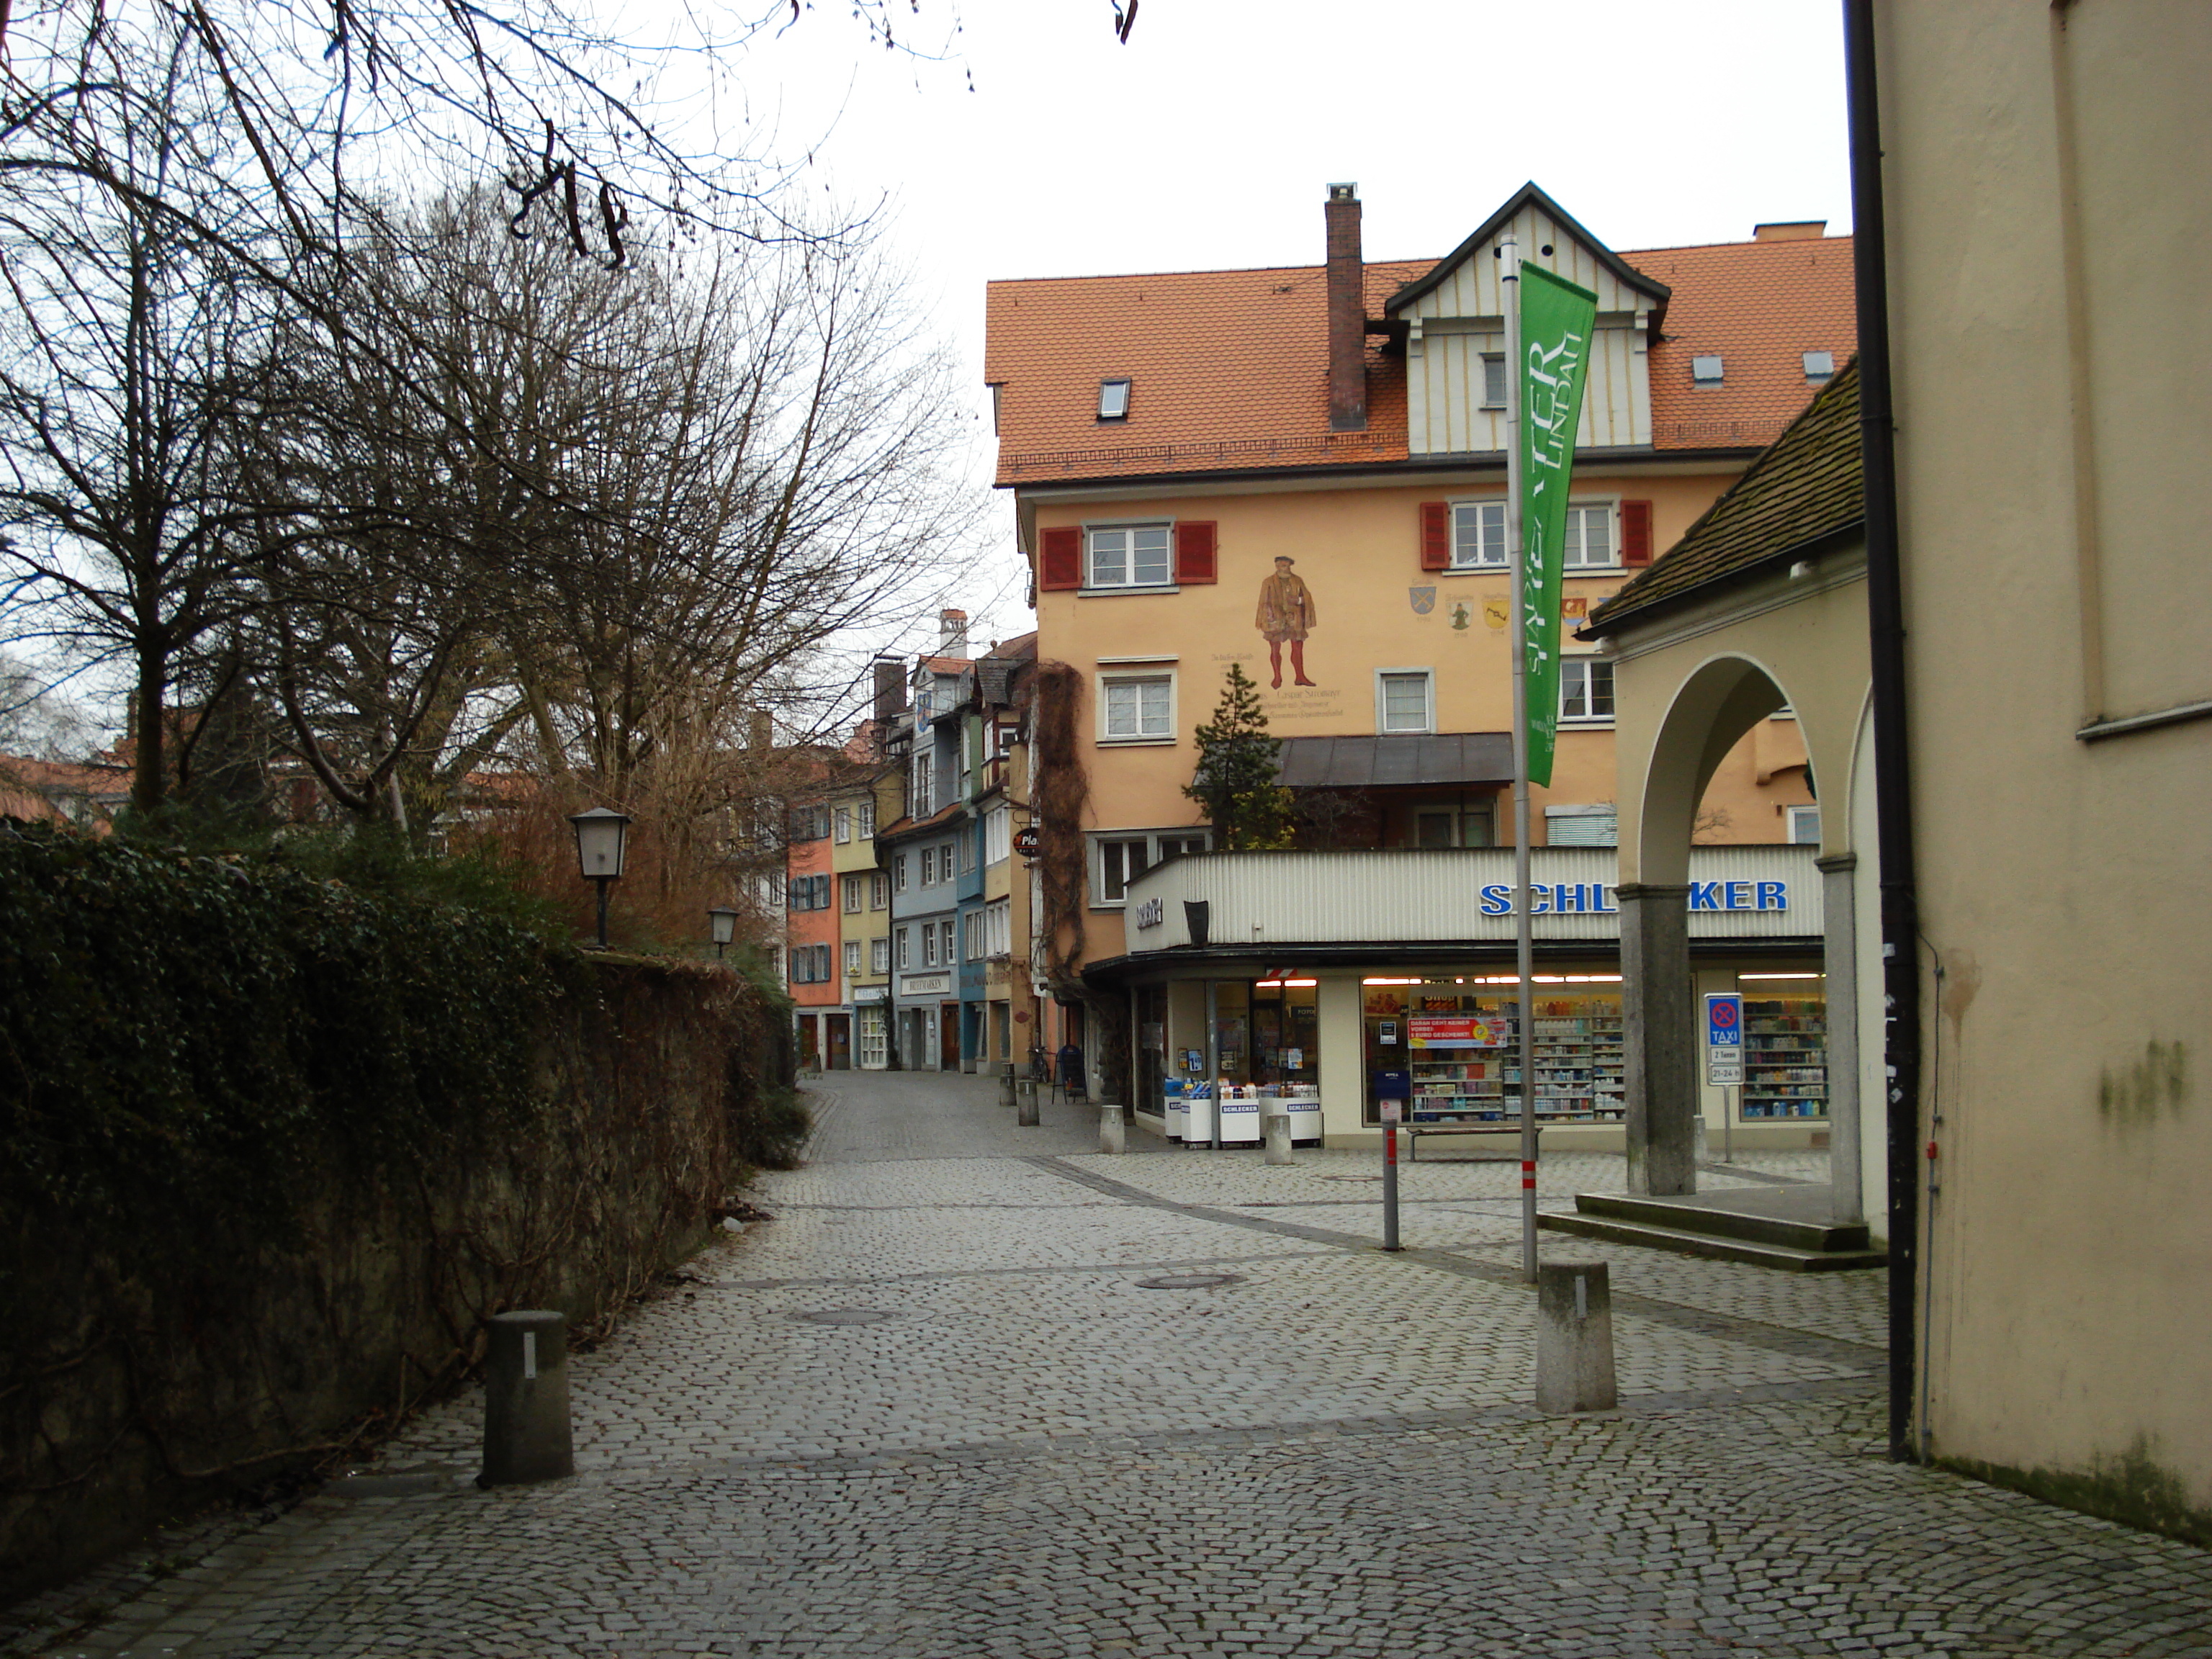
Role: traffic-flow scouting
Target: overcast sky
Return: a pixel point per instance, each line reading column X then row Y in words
column 1206, row 141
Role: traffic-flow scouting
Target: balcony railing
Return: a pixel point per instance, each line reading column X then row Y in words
column 1398, row 897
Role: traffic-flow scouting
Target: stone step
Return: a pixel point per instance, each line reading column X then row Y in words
column 1712, row 1246
column 1795, row 1217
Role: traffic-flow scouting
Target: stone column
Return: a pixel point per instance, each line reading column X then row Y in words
column 1660, row 1039
column 1838, row 876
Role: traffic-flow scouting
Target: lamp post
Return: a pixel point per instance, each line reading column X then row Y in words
column 723, row 920
column 600, row 835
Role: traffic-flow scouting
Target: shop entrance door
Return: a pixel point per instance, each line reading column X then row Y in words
column 840, row 1027
column 948, row 1033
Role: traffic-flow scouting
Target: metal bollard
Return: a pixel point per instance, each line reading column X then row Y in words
column 1113, row 1134
column 1275, row 1126
column 1026, row 1102
column 527, row 1400
column 1574, row 1338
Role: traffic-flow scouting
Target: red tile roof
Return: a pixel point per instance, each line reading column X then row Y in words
column 1230, row 367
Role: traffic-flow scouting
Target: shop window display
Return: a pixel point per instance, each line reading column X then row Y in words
column 1785, row 1058
column 1459, row 1043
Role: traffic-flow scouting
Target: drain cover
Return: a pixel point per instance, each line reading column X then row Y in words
column 1189, row 1281
column 846, row 1316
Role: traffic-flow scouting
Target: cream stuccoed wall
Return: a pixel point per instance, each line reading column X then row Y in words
column 2050, row 236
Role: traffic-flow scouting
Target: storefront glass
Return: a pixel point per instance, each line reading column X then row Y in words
column 1785, row 1049
column 1457, row 1040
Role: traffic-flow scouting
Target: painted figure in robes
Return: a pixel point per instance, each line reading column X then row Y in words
column 1286, row 616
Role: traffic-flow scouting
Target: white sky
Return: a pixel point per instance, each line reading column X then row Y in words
column 1206, row 140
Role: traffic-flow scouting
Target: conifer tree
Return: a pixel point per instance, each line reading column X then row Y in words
column 1235, row 781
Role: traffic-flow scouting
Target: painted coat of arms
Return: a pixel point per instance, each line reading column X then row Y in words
column 1424, row 599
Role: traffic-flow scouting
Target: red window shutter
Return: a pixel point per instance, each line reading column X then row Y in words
column 1436, row 535
column 1194, row 545
column 1061, row 564
column 1635, row 533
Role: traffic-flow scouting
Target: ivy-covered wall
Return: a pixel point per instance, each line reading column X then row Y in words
column 272, row 1149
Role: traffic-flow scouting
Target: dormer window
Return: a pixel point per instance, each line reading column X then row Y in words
column 1113, row 400
column 1819, row 366
column 1704, row 371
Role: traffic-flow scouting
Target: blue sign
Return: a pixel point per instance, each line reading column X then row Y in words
column 1569, row 898
column 1724, row 1019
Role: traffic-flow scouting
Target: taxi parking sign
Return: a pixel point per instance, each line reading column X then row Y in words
column 1723, row 1038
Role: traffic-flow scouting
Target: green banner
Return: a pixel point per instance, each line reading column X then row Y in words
column 1558, row 320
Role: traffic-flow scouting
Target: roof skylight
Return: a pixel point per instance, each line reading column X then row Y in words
column 1705, row 371
column 1113, row 400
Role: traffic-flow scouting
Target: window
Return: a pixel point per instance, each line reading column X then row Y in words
column 880, row 956
column 1704, row 371
column 844, row 824
column 867, row 820
column 852, row 959
column 905, row 946
column 1493, row 380
column 997, row 927
column 929, row 944
column 944, row 934
column 945, row 862
column 1582, row 826
column 875, row 1041
column 1804, row 826
column 772, row 888
column 1452, row 826
column 1138, row 709
column 810, row 964
column 919, row 783
column 1129, row 556
column 1590, row 542
column 971, row 937
column 899, row 873
column 1122, row 859
column 1819, row 366
column 1401, row 701
column 998, row 836
column 966, row 852
column 1585, row 688
column 853, row 885
column 1113, row 400
column 880, row 890
column 929, row 866
column 1478, row 535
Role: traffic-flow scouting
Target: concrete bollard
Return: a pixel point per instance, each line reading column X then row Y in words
column 527, row 1400
column 1574, row 1338
column 1276, row 1125
column 1026, row 1102
column 1113, row 1134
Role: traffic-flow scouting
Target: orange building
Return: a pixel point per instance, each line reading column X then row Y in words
column 1300, row 472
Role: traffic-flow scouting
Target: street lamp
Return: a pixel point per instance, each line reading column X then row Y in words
column 724, row 921
column 600, row 833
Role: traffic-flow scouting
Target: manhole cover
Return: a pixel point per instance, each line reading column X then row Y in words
column 846, row 1316
column 1189, row 1281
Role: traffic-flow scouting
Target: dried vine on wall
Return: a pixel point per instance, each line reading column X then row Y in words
column 1060, row 792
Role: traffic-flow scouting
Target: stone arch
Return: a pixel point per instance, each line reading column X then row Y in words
column 1715, row 705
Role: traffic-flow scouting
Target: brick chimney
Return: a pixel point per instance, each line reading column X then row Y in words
column 1348, row 313
column 890, row 690
column 1791, row 230
column 952, row 633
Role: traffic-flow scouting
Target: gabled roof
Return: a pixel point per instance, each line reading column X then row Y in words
column 1230, row 367
column 1480, row 242
column 1804, row 489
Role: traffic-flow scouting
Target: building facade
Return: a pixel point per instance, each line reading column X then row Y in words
column 1300, row 474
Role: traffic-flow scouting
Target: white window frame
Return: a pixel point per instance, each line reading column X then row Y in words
column 999, row 927
column 968, row 853
column 898, row 873
column 998, row 836
column 929, row 944
column 1127, row 582
column 844, row 824
column 868, row 820
column 879, row 954
column 928, row 878
column 1505, row 397
column 852, row 894
column 1610, row 506
column 1585, row 661
column 1793, row 816
column 880, row 890
column 948, row 934
column 972, row 936
column 1155, row 852
column 1428, row 679
column 1488, row 557
column 1605, row 812
column 905, row 947
column 1164, row 735
column 852, row 959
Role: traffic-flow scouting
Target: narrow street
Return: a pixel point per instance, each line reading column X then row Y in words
column 944, row 1405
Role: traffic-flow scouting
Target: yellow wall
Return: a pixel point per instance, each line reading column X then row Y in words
column 2064, row 886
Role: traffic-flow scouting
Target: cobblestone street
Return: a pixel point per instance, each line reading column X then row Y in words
column 1006, row 1443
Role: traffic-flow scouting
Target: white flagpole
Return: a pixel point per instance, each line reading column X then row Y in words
column 1524, row 932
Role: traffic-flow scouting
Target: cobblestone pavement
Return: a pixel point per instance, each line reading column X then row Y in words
column 1028, row 1451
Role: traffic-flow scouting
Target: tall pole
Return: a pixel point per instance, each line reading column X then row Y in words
column 1524, row 930
column 602, row 883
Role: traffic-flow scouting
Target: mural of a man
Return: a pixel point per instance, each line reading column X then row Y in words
column 1286, row 616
